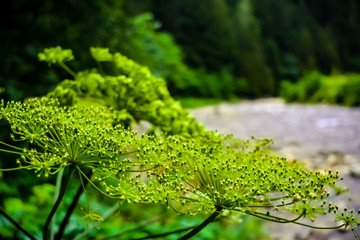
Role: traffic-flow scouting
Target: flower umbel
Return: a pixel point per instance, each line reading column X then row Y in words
column 86, row 137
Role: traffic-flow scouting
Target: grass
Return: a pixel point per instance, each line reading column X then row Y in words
column 194, row 102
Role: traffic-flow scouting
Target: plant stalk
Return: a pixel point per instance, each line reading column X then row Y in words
column 57, row 191
column 17, row 225
column 67, row 69
column 69, row 211
column 202, row 225
column 63, row 188
column 163, row 234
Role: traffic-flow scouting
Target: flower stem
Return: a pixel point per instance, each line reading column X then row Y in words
column 70, row 210
column 63, row 188
column 67, row 69
column 202, row 225
column 294, row 221
column 56, row 194
column 163, row 234
column 17, row 225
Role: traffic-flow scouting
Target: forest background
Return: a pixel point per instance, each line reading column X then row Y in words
column 223, row 49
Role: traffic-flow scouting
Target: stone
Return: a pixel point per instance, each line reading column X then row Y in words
column 350, row 159
column 334, row 159
column 141, row 127
column 355, row 170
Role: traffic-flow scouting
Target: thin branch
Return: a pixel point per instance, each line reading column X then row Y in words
column 274, row 199
column 283, row 220
column 17, row 225
column 14, row 169
column 69, row 211
column 271, row 206
column 12, row 152
column 100, row 67
column 67, row 69
column 142, row 225
column 96, row 187
column 305, row 225
column 203, row 224
column 9, row 145
column 274, row 218
column 57, row 203
column 150, row 236
column 164, row 234
column 56, row 194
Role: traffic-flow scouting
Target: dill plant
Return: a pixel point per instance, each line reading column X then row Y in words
column 82, row 129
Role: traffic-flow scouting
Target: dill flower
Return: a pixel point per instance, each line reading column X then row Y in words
column 56, row 55
column 84, row 126
column 84, row 137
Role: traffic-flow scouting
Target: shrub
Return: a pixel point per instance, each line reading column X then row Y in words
column 317, row 88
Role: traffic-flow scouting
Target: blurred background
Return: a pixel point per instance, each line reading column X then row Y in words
column 208, row 51
column 217, row 49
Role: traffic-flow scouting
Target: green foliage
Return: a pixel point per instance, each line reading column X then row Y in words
column 317, row 88
column 27, row 212
column 221, row 85
column 159, row 52
column 350, row 91
column 261, row 46
column 131, row 89
column 96, row 24
column 185, row 42
column 189, row 103
column 81, row 133
column 214, row 37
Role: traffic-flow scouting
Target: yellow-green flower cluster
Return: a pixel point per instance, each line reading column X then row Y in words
column 198, row 174
column 61, row 136
column 56, row 55
column 83, row 125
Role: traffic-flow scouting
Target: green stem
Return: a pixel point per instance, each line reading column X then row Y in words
column 9, row 145
column 202, row 225
column 67, row 69
column 164, row 234
column 274, row 218
column 135, row 229
column 70, row 210
column 271, row 206
column 63, row 188
column 100, row 68
column 17, row 225
column 56, row 194
column 314, row 227
column 294, row 221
